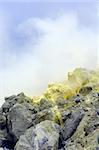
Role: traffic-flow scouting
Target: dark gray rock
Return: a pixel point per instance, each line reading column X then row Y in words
column 12, row 100
column 65, row 115
column 87, row 133
column 20, row 119
column 24, row 122
column 77, row 100
column 6, row 106
column 72, row 123
column 2, row 121
column 85, row 90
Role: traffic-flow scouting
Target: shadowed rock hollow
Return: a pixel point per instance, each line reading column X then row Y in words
column 65, row 117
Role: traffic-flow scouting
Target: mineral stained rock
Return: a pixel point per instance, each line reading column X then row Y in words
column 65, row 117
column 44, row 136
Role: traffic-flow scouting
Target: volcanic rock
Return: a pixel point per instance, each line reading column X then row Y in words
column 44, row 137
column 66, row 116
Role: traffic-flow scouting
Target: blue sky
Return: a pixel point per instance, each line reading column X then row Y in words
column 41, row 41
column 87, row 11
column 19, row 12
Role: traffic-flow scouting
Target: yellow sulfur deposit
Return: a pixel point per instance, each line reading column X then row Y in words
column 76, row 80
column 57, row 116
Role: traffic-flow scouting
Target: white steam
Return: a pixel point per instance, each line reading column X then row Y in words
column 49, row 49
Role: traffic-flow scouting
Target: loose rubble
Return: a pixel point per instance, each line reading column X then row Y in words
column 54, row 121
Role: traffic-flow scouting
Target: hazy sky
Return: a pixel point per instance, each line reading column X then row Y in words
column 41, row 41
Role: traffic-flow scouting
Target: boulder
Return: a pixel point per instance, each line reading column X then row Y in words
column 87, row 133
column 12, row 100
column 44, row 137
column 20, row 119
column 72, row 123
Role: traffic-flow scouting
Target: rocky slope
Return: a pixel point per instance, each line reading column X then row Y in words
column 66, row 117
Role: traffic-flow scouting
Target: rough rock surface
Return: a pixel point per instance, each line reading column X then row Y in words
column 44, row 136
column 87, row 133
column 66, row 117
column 72, row 123
column 20, row 119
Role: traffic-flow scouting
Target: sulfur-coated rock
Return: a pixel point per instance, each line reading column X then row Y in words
column 73, row 104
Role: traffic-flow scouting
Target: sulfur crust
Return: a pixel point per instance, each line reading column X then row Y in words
column 76, row 80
